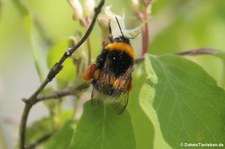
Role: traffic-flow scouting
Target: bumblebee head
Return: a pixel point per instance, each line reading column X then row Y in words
column 122, row 39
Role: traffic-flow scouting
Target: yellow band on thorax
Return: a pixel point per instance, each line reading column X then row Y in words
column 120, row 46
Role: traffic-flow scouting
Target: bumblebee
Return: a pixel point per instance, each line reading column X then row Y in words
column 111, row 75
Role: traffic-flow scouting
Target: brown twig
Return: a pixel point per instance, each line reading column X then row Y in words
column 63, row 93
column 199, row 52
column 139, row 59
column 51, row 75
column 143, row 17
column 145, row 33
column 145, row 37
column 39, row 141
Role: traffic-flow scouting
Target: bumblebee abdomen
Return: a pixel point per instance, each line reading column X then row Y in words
column 110, row 85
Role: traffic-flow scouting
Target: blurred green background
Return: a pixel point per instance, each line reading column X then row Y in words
column 175, row 25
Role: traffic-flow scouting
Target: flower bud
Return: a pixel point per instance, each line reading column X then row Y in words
column 104, row 24
column 72, row 41
column 115, row 29
column 146, row 2
column 78, row 11
column 149, row 9
column 89, row 6
column 135, row 5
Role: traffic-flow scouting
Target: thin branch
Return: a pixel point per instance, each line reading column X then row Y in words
column 145, row 38
column 139, row 59
column 200, row 51
column 23, row 123
column 56, row 94
column 145, row 32
column 51, row 75
column 207, row 51
column 63, row 93
column 143, row 16
column 39, row 141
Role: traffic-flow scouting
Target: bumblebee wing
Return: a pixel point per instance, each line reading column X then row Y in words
column 106, row 67
column 96, row 96
column 120, row 104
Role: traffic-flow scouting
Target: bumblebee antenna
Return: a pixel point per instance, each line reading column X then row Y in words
column 134, row 36
column 119, row 25
column 110, row 32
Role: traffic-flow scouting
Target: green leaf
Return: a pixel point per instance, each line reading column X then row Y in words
column 183, row 102
column 65, row 115
column 69, row 70
column 38, row 47
column 221, row 55
column 143, row 128
column 21, row 8
column 100, row 128
column 37, row 44
column 61, row 139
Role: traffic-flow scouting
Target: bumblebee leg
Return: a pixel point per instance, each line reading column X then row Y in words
column 94, row 99
column 124, row 106
column 120, row 105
